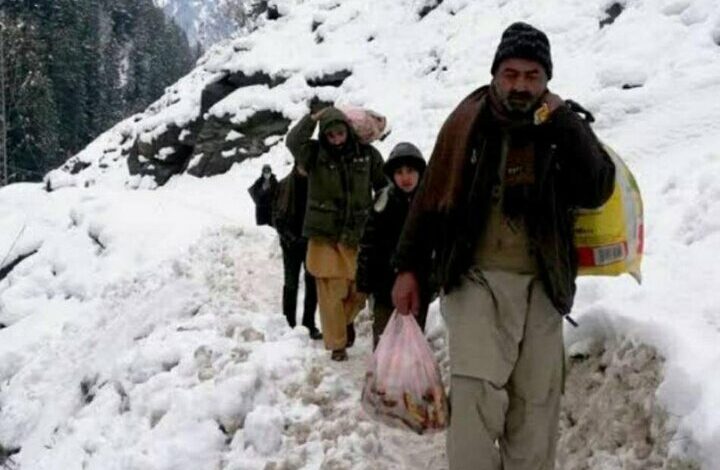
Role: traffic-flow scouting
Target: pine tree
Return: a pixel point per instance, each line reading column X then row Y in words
column 32, row 127
column 76, row 67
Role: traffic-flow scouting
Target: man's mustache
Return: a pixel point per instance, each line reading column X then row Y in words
column 520, row 96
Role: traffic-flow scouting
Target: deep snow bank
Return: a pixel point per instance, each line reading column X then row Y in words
column 611, row 416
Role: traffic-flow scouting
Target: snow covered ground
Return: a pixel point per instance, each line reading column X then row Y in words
column 143, row 329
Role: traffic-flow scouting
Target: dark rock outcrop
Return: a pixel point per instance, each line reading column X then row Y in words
column 170, row 152
column 630, row 86
column 210, row 144
column 613, row 11
column 218, row 90
column 273, row 13
column 5, row 270
column 78, row 166
column 424, row 11
column 334, row 79
column 6, row 453
column 165, row 155
column 88, row 389
column 221, row 143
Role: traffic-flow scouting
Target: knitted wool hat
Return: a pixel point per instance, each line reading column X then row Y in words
column 522, row 41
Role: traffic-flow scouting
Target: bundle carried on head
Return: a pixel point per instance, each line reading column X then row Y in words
column 368, row 125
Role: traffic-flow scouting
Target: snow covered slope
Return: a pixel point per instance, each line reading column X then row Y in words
column 207, row 22
column 202, row 20
column 143, row 326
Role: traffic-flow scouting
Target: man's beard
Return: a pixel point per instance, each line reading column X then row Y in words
column 337, row 150
column 517, row 103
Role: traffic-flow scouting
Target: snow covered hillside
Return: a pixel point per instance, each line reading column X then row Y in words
column 202, row 21
column 140, row 306
column 207, row 22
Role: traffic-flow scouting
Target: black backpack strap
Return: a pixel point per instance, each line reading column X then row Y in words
column 575, row 106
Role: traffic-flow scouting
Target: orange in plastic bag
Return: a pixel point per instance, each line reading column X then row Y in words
column 403, row 387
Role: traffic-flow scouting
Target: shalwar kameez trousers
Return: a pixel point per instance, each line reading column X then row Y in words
column 506, row 359
column 334, row 266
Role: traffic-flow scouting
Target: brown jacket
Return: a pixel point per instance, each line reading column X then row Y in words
column 451, row 208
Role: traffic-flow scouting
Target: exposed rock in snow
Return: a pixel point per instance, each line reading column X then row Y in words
column 6, row 268
column 218, row 90
column 145, row 158
column 229, row 106
column 212, row 141
column 334, row 79
column 612, row 12
column 428, row 6
column 6, row 454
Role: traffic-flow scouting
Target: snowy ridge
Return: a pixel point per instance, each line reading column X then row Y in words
column 204, row 21
column 144, row 327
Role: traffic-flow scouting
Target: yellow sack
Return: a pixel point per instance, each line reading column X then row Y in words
column 610, row 239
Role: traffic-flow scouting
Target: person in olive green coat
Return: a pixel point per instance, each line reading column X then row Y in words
column 342, row 174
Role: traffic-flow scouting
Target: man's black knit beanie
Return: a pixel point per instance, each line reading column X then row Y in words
column 522, row 41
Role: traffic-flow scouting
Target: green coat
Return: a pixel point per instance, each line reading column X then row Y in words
column 339, row 186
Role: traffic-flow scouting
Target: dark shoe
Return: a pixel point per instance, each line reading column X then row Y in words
column 315, row 334
column 350, row 335
column 339, row 355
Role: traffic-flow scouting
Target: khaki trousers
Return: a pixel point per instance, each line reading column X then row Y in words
column 339, row 304
column 334, row 266
column 507, row 363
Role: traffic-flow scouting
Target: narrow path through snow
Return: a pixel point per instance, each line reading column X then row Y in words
column 611, row 418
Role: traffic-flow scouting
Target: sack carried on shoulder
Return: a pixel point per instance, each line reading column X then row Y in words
column 610, row 239
column 368, row 125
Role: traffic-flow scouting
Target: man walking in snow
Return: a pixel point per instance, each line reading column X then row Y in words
column 495, row 213
column 262, row 192
column 289, row 207
column 342, row 173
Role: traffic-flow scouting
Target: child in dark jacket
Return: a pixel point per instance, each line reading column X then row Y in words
column 375, row 275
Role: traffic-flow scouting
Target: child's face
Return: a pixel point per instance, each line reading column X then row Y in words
column 406, row 178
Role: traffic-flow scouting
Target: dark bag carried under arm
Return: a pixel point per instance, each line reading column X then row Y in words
column 282, row 204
